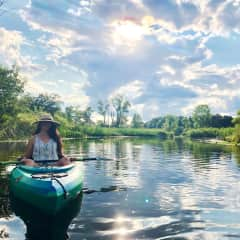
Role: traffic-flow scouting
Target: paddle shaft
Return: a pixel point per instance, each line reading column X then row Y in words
column 47, row 161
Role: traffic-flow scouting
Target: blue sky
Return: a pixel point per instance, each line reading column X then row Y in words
column 166, row 57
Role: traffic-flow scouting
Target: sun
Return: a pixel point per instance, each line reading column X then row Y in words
column 127, row 33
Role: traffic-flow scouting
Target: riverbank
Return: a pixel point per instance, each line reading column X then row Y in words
column 216, row 141
column 87, row 132
column 207, row 135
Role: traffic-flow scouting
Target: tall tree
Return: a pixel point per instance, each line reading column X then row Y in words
column 103, row 109
column 74, row 114
column 69, row 112
column 170, row 123
column 137, row 121
column 121, row 106
column 86, row 114
column 202, row 116
column 11, row 86
column 47, row 103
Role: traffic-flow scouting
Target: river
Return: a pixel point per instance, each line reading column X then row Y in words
column 151, row 189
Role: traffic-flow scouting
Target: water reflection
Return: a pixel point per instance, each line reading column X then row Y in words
column 155, row 189
column 39, row 225
column 11, row 150
column 5, row 210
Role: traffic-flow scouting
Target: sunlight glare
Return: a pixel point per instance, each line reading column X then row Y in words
column 127, row 33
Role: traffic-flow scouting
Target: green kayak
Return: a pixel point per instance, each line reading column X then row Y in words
column 49, row 188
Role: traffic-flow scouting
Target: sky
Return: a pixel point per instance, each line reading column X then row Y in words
column 165, row 56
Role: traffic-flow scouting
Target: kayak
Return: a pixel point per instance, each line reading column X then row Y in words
column 49, row 188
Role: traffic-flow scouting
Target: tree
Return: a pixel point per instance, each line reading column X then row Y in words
column 86, row 115
column 219, row 121
column 137, row 121
column 11, row 86
column 236, row 122
column 69, row 112
column 170, row 123
column 26, row 103
column 121, row 107
column 47, row 103
column 155, row 123
column 201, row 116
column 103, row 109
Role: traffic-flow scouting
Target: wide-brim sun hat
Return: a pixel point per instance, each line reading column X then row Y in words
column 47, row 118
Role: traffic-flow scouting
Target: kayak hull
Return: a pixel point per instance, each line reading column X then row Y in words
column 48, row 189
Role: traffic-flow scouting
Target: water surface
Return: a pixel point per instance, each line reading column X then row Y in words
column 152, row 189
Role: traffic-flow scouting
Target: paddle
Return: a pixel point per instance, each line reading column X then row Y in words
column 71, row 158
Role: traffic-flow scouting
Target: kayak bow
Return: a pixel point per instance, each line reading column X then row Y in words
column 48, row 188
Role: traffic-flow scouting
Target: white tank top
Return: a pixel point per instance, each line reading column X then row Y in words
column 44, row 151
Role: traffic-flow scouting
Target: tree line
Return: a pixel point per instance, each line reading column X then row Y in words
column 19, row 109
column 200, row 118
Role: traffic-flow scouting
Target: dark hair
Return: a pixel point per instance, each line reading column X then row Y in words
column 54, row 134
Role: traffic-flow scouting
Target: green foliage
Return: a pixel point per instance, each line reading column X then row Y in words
column 137, row 121
column 46, row 103
column 121, row 106
column 24, row 124
column 201, row 116
column 103, row 109
column 77, row 116
column 202, row 133
column 221, row 133
column 236, row 122
column 219, row 121
column 170, row 123
column 98, row 131
column 11, row 86
column 86, row 114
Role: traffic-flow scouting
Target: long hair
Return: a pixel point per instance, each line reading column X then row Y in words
column 54, row 134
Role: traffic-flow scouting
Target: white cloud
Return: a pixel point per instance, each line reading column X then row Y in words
column 76, row 99
column 61, row 46
column 215, row 103
column 85, row 7
column 11, row 46
column 10, row 50
column 34, row 87
column 166, row 44
column 130, row 90
column 214, row 85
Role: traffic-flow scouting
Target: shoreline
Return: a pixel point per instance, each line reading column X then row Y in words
column 201, row 140
column 78, row 138
column 215, row 141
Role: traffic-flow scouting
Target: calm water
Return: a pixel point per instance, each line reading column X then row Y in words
column 151, row 190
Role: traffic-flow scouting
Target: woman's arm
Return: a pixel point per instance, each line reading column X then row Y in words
column 60, row 148
column 29, row 149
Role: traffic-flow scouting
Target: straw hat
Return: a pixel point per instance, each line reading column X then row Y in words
column 47, row 118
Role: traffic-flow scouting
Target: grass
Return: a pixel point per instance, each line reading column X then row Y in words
column 105, row 132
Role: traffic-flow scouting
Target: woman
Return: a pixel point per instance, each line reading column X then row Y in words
column 45, row 144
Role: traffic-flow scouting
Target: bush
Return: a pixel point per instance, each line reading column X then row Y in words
column 222, row 133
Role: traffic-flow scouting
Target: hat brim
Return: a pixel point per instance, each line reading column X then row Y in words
column 53, row 122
